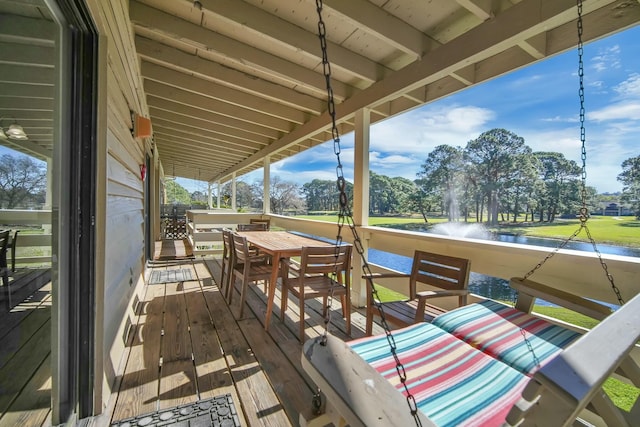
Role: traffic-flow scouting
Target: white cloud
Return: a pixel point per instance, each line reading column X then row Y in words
column 607, row 58
column 620, row 111
column 629, row 88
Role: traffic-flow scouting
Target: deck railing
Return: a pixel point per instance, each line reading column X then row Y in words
column 34, row 242
column 574, row 271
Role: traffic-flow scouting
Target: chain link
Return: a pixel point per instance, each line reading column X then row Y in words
column 345, row 216
column 584, row 210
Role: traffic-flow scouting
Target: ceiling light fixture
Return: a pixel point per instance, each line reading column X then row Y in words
column 15, row 131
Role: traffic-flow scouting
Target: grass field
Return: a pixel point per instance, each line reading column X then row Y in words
column 622, row 231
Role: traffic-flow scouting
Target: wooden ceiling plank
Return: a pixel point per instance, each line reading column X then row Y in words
column 26, row 90
column 16, row 103
column 199, row 101
column 236, row 136
column 292, row 37
column 21, row 29
column 157, row 52
column 212, row 117
column 162, row 129
column 206, row 158
column 27, row 55
column 13, row 73
column 243, row 53
column 222, row 93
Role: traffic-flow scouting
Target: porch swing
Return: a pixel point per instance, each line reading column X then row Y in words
column 482, row 364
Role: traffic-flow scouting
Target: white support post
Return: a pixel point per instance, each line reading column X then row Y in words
column 360, row 200
column 266, row 185
column 233, row 192
column 49, row 193
column 219, row 193
column 209, row 198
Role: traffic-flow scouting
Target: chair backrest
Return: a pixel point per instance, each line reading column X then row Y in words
column 4, row 242
column 261, row 221
column 323, row 260
column 253, row 227
column 240, row 248
column 227, row 244
column 442, row 271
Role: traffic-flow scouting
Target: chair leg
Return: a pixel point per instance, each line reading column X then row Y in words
column 302, row 320
column 369, row 326
column 284, row 300
column 346, row 310
column 243, row 296
column 230, row 288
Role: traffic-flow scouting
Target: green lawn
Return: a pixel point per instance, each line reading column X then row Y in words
column 623, row 231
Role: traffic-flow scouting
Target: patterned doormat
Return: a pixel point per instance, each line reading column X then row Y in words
column 170, row 276
column 215, row 412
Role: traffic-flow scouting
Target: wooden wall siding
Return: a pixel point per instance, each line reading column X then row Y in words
column 124, row 225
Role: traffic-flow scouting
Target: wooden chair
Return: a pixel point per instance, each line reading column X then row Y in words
column 261, row 226
column 227, row 263
column 4, row 244
column 261, row 221
column 314, row 277
column 248, row 267
column 14, row 242
column 448, row 273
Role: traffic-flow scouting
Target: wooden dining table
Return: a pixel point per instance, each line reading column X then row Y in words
column 280, row 245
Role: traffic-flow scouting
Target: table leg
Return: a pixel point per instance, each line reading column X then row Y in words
column 275, row 260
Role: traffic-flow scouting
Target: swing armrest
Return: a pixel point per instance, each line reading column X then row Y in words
column 528, row 291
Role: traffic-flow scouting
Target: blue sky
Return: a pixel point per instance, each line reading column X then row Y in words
column 539, row 103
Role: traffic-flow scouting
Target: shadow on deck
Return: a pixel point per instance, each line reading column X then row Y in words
column 189, row 345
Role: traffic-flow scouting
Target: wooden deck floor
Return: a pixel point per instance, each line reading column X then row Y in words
column 25, row 353
column 190, row 345
column 187, row 345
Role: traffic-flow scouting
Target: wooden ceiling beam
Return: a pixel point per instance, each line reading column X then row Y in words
column 383, row 25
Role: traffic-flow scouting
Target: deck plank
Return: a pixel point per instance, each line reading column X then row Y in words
column 258, row 400
column 138, row 392
column 177, row 374
column 20, row 368
column 33, row 406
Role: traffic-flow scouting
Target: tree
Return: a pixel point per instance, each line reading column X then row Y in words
column 247, row 196
column 440, row 178
column 284, row 196
column 630, row 178
column 495, row 156
column 176, row 194
column 22, row 181
column 559, row 176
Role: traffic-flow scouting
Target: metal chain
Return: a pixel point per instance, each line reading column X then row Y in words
column 345, row 216
column 584, row 210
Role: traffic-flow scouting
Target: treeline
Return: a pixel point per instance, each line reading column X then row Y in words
column 494, row 178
